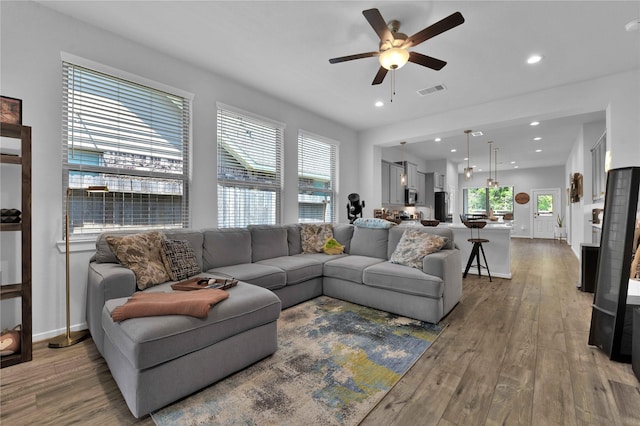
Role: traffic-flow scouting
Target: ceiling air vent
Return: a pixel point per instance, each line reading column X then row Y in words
column 429, row 90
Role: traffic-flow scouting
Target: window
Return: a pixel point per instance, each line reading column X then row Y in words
column 317, row 158
column 132, row 138
column 249, row 169
column 476, row 201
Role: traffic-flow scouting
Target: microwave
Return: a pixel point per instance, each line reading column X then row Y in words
column 410, row 197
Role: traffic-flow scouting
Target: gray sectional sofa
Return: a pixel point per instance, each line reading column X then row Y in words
column 152, row 359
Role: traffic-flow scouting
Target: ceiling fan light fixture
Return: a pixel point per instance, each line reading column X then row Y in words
column 394, row 58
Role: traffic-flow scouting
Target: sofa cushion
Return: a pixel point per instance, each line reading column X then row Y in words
column 297, row 269
column 396, row 233
column 142, row 254
column 179, row 259
column 320, row 257
column 349, row 268
column 268, row 241
column 343, row 232
column 414, row 246
column 224, row 247
column 369, row 242
column 259, row 274
column 394, row 277
column 151, row 341
column 293, row 239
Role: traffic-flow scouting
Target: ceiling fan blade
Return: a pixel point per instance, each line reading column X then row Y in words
column 382, row 72
column 352, row 57
column 426, row 61
column 439, row 27
column 378, row 24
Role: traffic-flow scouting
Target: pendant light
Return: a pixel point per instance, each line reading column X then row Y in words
column 403, row 175
column 490, row 179
column 495, row 180
column 468, row 171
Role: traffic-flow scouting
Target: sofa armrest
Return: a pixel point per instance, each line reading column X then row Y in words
column 446, row 264
column 105, row 281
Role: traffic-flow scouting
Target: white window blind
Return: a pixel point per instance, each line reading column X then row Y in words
column 249, row 169
column 317, row 164
column 131, row 138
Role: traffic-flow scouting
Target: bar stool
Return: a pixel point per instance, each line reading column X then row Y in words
column 477, row 247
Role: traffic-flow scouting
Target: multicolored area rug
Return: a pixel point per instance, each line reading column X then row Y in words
column 335, row 361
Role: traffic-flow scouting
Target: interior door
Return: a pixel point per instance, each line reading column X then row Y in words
column 546, row 207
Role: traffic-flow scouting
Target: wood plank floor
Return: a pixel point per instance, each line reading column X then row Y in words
column 515, row 352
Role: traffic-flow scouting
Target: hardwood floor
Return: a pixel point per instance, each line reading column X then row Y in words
column 515, row 352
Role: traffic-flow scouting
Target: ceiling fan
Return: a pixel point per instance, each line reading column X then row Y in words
column 393, row 50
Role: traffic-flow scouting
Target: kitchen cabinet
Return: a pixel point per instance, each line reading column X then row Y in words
column 391, row 184
column 412, row 175
column 438, row 182
column 20, row 290
column 396, row 189
column 421, row 186
column 385, row 182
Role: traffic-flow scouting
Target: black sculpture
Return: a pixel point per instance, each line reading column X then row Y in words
column 354, row 208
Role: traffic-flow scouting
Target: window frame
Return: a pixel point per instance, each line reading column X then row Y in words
column 465, row 200
column 81, row 201
column 334, row 147
column 245, row 187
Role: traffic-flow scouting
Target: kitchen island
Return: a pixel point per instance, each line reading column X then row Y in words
column 497, row 250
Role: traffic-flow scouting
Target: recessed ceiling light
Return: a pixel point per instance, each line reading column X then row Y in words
column 538, row 150
column 534, row 123
column 515, row 167
column 534, row 59
column 465, row 158
column 453, row 150
column 477, row 133
column 438, row 139
column 537, row 138
column 379, row 104
column 513, row 162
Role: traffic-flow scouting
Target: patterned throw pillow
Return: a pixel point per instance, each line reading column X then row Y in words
column 179, row 259
column 141, row 254
column 414, row 245
column 313, row 236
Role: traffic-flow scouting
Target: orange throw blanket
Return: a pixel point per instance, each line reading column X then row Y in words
column 192, row 303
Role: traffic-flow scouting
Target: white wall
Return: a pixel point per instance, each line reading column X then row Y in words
column 32, row 38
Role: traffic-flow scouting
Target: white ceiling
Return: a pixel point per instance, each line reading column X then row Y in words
column 282, row 48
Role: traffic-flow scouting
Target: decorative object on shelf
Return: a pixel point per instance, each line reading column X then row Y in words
column 490, row 178
column 354, row 208
column 522, row 198
column 468, row 171
column 10, row 110
column 596, row 216
column 10, row 341
column 576, row 187
column 71, row 337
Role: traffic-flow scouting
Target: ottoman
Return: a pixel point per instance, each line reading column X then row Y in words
column 158, row 360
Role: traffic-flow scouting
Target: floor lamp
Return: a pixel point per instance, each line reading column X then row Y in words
column 71, row 337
